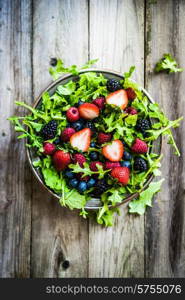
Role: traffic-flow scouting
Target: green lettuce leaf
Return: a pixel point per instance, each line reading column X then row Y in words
column 167, row 63
column 145, row 198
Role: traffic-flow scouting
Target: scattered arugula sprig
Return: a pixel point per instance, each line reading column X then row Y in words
column 167, row 63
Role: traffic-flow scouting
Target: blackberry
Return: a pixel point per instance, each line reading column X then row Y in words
column 143, row 125
column 113, row 85
column 53, row 61
column 90, row 125
column 140, row 164
column 101, row 187
column 49, row 130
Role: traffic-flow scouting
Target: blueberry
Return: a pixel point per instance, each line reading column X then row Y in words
column 82, row 186
column 93, row 155
column 73, row 182
column 124, row 144
column 93, row 145
column 80, row 102
column 125, row 164
column 57, row 141
column 69, row 174
column 78, row 125
column 127, row 155
column 91, row 183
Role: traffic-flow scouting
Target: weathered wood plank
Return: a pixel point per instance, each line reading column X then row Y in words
column 15, row 187
column 117, row 251
column 60, row 29
column 165, row 237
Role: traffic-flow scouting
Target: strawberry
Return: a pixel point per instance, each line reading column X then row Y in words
column 131, row 111
column 121, row 174
column 81, row 139
column 131, row 94
column 104, row 137
column 118, row 98
column 139, row 146
column 61, row 160
column 113, row 151
column 79, row 158
column 111, row 165
column 72, row 114
column 100, row 102
column 88, row 111
column 49, row 148
column 93, row 165
column 67, row 133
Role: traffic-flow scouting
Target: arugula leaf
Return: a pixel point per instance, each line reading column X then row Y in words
column 59, row 69
column 154, row 134
column 67, row 89
column 129, row 73
column 145, row 198
column 105, row 216
column 167, row 63
column 73, row 200
column 87, row 171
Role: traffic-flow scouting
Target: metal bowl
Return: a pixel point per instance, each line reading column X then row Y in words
column 94, row 203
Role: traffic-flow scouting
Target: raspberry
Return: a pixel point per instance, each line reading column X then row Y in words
column 111, row 165
column 139, row 146
column 131, row 94
column 72, row 114
column 104, row 137
column 140, row 164
column 49, row 130
column 93, row 165
column 79, row 158
column 67, row 133
column 49, row 148
column 131, row 111
column 113, row 85
column 100, row 102
column 79, row 177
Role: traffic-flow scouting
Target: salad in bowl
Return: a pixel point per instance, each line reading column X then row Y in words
column 94, row 141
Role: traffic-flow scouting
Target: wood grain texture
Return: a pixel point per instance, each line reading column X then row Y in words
column 60, row 28
column 117, row 251
column 15, row 185
column 37, row 235
column 165, row 242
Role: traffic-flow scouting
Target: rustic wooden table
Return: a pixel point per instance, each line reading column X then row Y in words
column 36, row 234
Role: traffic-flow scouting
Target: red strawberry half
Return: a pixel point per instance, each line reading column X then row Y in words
column 104, row 137
column 100, row 102
column 88, row 111
column 139, row 146
column 114, row 151
column 61, row 160
column 79, row 158
column 121, row 174
column 111, row 165
column 131, row 94
column 81, row 139
column 118, row 98
column 93, row 165
column 66, row 134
